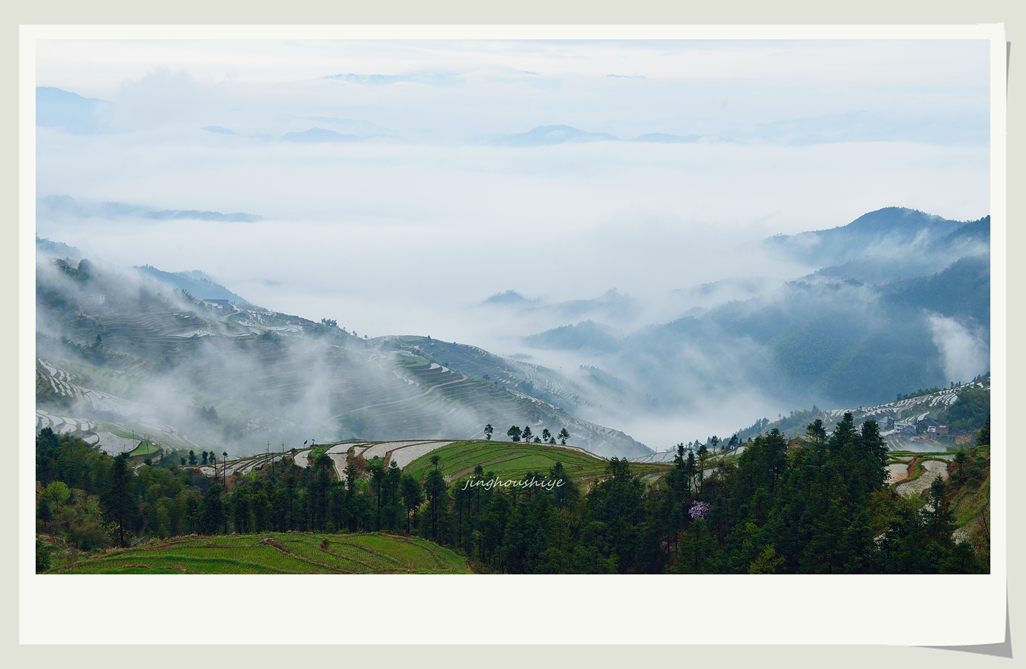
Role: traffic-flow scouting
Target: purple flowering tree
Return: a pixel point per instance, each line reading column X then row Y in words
column 698, row 510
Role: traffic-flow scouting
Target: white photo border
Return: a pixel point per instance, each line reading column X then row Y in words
column 513, row 609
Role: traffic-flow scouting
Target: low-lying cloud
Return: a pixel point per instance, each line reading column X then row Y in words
column 964, row 351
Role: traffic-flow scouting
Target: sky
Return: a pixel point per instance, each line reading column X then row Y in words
column 398, row 183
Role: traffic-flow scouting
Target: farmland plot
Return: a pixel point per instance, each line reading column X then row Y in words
column 514, row 460
column 261, row 461
column 897, row 472
column 915, row 487
column 277, row 553
column 62, row 424
column 339, row 454
column 112, row 444
column 60, row 382
column 381, row 450
column 402, row 457
column 302, row 458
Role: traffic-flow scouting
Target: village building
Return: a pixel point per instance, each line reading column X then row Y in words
column 906, row 427
column 223, row 306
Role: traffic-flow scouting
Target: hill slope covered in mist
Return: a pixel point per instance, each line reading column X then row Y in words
column 900, row 299
column 121, row 352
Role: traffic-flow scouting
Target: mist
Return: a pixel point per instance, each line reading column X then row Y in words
column 965, row 353
column 377, row 191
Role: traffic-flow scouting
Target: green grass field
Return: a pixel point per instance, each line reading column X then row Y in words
column 295, row 553
column 144, row 448
column 513, row 460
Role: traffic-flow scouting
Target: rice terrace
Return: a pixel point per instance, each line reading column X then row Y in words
column 292, row 553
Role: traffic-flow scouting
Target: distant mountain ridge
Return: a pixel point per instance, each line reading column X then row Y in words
column 908, row 306
column 545, row 135
column 612, row 305
column 549, row 135
column 63, row 205
column 586, row 335
column 883, row 230
column 316, row 135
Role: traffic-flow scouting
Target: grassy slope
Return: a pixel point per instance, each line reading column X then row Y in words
column 300, row 553
column 510, row 460
column 969, row 497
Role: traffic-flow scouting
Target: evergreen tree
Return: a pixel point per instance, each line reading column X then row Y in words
column 213, row 517
column 413, row 497
column 119, row 496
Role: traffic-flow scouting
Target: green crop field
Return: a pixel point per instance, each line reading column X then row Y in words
column 513, row 460
column 144, row 448
column 289, row 553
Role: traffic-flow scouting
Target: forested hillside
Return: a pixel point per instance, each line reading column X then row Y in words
column 825, row 507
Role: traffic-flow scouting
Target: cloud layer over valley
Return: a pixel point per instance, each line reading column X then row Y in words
column 396, row 186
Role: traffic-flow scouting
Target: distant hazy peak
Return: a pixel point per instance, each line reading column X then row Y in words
column 508, row 297
column 614, row 294
column 315, row 135
column 888, row 218
column 71, row 112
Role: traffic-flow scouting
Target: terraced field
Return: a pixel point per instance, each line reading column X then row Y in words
column 428, row 399
column 513, row 460
column 931, row 470
column 279, row 553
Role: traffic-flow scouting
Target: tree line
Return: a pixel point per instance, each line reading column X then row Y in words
column 516, row 434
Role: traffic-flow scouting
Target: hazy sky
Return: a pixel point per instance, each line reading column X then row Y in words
column 425, row 201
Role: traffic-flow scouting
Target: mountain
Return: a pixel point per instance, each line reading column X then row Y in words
column 72, row 113
column 909, row 307
column 586, row 335
column 196, row 283
column 50, row 249
column 62, row 206
column 317, row 135
column 510, row 297
column 124, row 347
column 611, row 306
column 547, row 135
column 926, row 254
column 891, row 231
column 975, row 232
